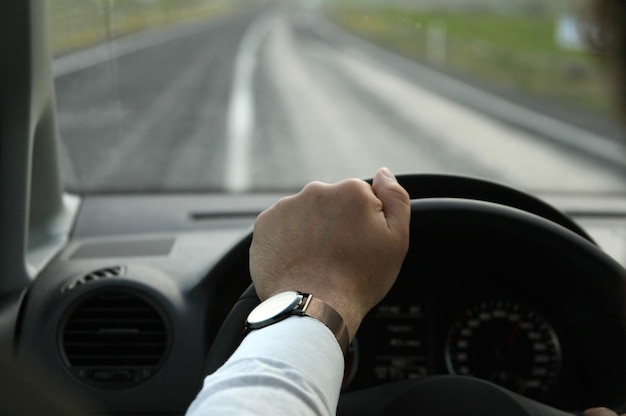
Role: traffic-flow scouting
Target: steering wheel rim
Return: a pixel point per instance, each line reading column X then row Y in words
column 441, row 395
column 492, row 219
column 431, row 185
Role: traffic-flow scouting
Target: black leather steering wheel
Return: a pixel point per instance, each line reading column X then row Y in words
column 481, row 225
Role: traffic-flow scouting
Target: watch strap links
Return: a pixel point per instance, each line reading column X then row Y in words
column 326, row 314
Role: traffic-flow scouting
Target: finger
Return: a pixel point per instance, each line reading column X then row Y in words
column 599, row 411
column 395, row 199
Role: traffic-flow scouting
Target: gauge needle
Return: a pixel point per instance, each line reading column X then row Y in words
column 513, row 334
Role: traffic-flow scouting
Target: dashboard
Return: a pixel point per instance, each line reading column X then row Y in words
column 126, row 315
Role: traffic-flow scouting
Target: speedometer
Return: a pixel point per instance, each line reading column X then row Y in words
column 507, row 343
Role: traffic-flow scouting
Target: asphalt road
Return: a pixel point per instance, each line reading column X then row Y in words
column 271, row 99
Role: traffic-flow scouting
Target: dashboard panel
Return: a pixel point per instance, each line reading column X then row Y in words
column 188, row 263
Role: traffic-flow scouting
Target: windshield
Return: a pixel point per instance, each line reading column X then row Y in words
column 237, row 96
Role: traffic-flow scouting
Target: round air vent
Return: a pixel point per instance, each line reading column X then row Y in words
column 114, row 339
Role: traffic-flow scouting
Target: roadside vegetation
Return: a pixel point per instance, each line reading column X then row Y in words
column 77, row 24
column 513, row 50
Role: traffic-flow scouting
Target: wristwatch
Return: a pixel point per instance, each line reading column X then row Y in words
column 285, row 304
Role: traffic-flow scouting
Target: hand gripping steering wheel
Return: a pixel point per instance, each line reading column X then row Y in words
column 480, row 222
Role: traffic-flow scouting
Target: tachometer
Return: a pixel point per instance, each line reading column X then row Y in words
column 507, row 343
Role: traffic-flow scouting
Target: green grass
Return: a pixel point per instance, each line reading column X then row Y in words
column 513, row 51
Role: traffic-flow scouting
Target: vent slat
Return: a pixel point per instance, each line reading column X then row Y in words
column 97, row 327
column 114, row 318
column 143, row 358
column 111, row 306
column 108, row 331
column 107, row 273
column 158, row 336
column 94, row 345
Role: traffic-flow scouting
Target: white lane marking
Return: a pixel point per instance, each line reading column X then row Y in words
column 241, row 112
column 114, row 49
column 562, row 132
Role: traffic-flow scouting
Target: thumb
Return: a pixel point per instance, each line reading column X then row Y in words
column 395, row 199
column 599, row 411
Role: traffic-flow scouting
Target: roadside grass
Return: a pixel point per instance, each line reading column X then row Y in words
column 77, row 24
column 517, row 52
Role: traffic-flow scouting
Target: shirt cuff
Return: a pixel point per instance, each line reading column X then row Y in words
column 294, row 366
column 301, row 342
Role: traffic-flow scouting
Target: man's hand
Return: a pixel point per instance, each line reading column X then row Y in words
column 343, row 243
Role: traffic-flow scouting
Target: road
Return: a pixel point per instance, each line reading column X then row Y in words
column 271, row 99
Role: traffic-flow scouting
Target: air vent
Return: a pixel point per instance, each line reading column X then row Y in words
column 95, row 275
column 114, row 339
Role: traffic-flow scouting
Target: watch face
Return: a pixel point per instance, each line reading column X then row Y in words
column 274, row 307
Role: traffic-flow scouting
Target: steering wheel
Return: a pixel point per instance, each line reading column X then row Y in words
column 481, row 224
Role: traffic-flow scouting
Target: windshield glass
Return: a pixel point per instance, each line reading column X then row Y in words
column 234, row 96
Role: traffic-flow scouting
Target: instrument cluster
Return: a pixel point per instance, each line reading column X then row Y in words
column 506, row 341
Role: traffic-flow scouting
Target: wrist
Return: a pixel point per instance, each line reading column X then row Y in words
column 290, row 303
column 347, row 309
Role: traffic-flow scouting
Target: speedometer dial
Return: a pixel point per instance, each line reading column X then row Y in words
column 507, row 343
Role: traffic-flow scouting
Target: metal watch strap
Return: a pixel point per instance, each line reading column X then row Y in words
column 326, row 314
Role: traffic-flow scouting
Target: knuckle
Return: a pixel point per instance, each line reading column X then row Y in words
column 355, row 189
column 314, row 188
column 281, row 203
column 278, row 206
column 260, row 220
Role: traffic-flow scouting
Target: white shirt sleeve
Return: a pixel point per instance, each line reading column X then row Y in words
column 293, row 367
